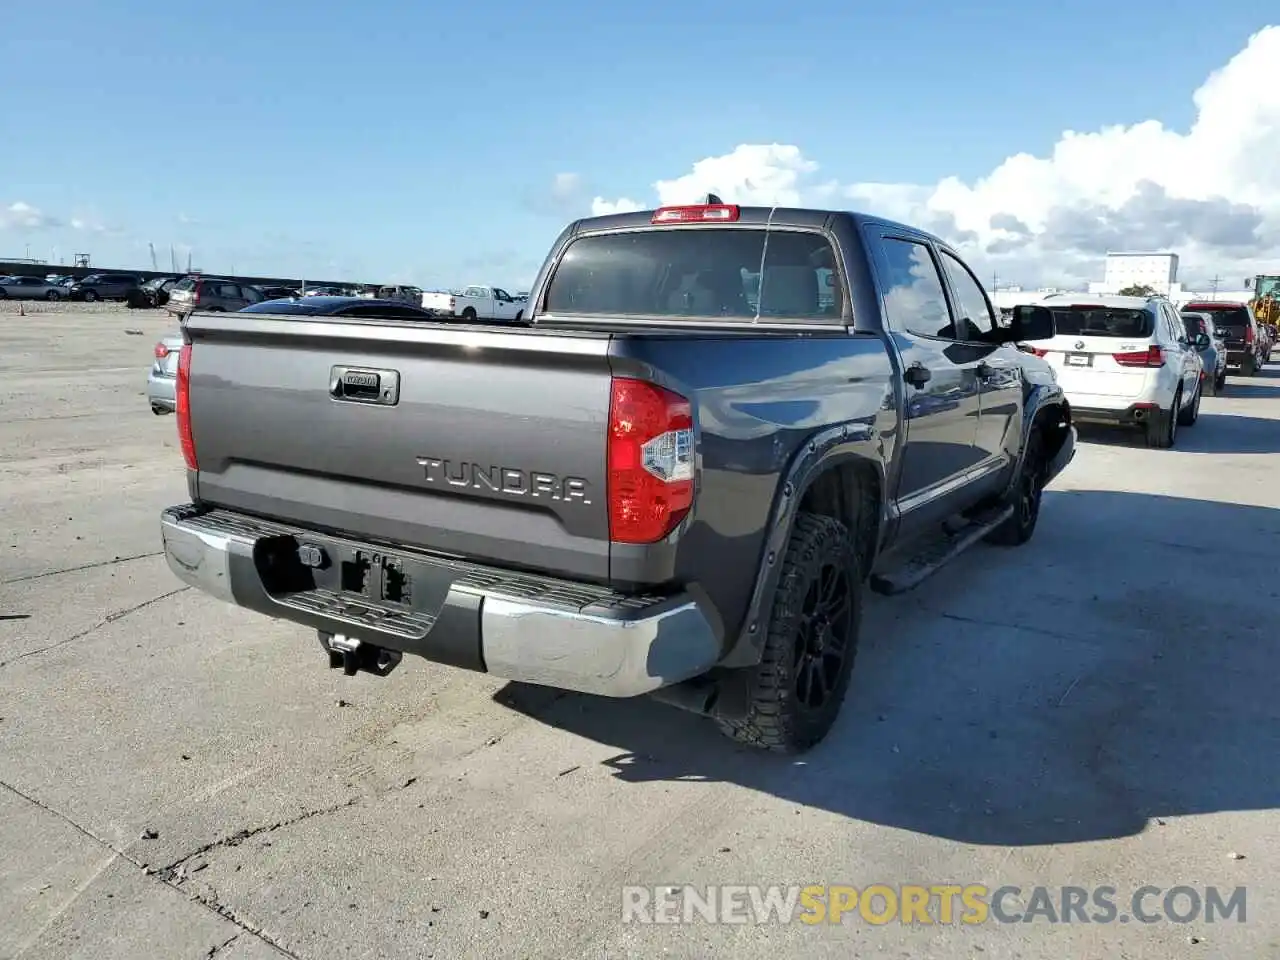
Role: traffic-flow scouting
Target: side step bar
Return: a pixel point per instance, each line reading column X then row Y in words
column 937, row 553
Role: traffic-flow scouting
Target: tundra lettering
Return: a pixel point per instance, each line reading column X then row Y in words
column 516, row 483
column 744, row 419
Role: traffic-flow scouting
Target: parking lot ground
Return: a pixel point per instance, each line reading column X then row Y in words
column 179, row 778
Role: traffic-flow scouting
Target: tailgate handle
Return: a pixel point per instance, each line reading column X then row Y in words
column 365, row 385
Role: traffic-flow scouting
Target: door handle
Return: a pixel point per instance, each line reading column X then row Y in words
column 917, row 375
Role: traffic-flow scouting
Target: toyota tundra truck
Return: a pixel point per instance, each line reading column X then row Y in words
column 676, row 477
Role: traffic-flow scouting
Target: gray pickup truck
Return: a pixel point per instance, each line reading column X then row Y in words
column 675, row 477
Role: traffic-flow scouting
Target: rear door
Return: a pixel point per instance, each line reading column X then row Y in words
column 999, row 364
column 1100, row 351
column 942, row 385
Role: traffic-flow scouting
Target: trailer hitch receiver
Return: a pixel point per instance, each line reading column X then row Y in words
column 355, row 656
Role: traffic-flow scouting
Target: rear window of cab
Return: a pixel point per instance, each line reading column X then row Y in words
column 705, row 272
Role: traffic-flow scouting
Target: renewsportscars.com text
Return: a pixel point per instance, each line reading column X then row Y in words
column 927, row 904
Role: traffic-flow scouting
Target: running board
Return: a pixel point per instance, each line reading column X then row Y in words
column 936, row 553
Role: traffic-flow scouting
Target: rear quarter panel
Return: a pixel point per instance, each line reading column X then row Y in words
column 760, row 403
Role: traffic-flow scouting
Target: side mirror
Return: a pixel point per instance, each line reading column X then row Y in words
column 1202, row 341
column 1030, row 322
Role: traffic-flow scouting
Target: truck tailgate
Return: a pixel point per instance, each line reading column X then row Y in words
column 472, row 442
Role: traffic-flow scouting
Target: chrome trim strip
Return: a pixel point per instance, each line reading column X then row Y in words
column 928, row 495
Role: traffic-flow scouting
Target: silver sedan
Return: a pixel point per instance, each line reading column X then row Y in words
column 30, row 288
column 163, row 377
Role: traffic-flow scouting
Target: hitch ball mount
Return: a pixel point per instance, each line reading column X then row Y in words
column 354, row 656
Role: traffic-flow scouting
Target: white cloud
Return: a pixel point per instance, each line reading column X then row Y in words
column 1211, row 193
column 24, row 216
column 600, row 207
column 21, row 215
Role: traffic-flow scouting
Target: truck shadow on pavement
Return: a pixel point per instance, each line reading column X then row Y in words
column 1264, row 385
column 1220, row 433
column 1093, row 683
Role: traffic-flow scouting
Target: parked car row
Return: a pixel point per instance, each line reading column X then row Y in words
column 210, row 292
column 1141, row 362
column 214, row 297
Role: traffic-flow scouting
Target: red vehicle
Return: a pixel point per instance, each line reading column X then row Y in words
column 1247, row 345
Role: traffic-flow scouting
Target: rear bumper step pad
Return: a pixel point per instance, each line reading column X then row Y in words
column 517, row 626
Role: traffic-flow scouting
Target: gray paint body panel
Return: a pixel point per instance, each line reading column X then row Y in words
column 473, row 460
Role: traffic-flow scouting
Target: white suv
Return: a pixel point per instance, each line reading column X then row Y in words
column 1124, row 360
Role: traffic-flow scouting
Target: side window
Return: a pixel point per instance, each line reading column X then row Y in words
column 975, row 322
column 914, row 300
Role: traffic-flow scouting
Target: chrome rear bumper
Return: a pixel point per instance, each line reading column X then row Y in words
column 580, row 637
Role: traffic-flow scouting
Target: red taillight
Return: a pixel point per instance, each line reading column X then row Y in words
column 183, row 407
column 161, row 351
column 1038, row 351
column 1248, row 334
column 195, row 294
column 650, row 461
column 1151, row 357
column 701, row 213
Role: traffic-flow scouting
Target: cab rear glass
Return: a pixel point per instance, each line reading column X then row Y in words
column 1096, row 321
column 699, row 272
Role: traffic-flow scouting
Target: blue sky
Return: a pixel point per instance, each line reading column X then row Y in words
column 419, row 142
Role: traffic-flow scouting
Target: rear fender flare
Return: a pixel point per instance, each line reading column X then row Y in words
column 843, row 443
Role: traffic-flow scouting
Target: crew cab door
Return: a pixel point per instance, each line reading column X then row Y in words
column 941, row 388
column 999, row 366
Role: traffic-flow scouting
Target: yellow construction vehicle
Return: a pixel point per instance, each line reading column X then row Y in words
column 1265, row 307
column 1266, row 300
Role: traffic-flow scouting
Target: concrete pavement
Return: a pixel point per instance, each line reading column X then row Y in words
column 179, row 778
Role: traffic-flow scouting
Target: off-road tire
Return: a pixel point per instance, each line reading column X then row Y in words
column 1162, row 428
column 1025, row 499
column 776, row 718
column 1188, row 416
